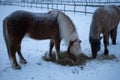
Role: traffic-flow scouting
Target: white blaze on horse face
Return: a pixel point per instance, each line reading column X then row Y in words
column 75, row 49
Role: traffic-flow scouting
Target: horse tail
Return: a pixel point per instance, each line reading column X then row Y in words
column 5, row 33
column 4, row 28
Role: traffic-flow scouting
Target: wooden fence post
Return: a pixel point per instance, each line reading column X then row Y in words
column 74, row 7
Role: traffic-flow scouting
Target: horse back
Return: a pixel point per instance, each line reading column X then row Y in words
column 43, row 26
column 117, row 9
column 106, row 17
column 36, row 25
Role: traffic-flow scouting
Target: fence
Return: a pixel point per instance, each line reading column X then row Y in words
column 71, row 6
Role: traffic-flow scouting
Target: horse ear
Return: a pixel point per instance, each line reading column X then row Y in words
column 71, row 42
column 80, row 41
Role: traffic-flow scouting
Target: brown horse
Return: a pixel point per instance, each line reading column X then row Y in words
column 54, row 25
column 105, row 20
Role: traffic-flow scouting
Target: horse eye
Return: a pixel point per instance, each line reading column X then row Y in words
column 71, row 42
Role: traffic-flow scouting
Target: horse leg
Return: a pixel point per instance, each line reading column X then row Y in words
column 12, row 55
column 57, row 46
column 113, row 35
column 22, row 60
column 11, row 48
column 106, row 43
column 50, row 48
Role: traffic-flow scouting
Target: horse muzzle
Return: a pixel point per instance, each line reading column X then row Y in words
column 94, row 54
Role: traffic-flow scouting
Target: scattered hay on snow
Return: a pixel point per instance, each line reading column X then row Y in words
column 81, row 61
column 106, row 57
column 65, row 59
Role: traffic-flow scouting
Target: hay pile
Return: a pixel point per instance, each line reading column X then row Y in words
column 82, row 58
column 65, row 59
column 103, row 57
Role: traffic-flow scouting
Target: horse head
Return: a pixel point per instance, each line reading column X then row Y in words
column 74, row 50
column 95, row 46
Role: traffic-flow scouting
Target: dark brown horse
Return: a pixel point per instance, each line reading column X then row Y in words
column 54, row 25
column 105, row 20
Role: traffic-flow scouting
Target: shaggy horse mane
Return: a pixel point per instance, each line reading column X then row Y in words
column 66, row 26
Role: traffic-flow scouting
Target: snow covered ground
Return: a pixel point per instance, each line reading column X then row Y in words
column 34, row 50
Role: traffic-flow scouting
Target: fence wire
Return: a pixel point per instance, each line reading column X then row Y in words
column 81, row 6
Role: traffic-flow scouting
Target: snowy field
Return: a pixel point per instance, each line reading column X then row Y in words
column 34, row 50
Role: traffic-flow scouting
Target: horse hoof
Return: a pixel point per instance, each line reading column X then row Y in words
column 94, row 56
column 73, row 62
column 58, row 58
column 106, row 53
column 16, row 67
column 23, row 61
column 114, row 43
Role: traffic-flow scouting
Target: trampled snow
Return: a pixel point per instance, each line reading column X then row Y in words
column 38, row 69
